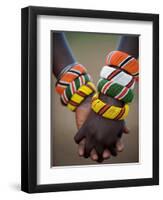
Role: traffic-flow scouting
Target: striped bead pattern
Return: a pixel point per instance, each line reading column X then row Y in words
column 109, row 111
column 123, row 61
column 117, row 76
column 115, row 90
column 73, row 87
column 68, row 77
column 79, row 96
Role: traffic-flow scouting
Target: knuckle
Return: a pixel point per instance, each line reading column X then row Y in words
column 99, row 138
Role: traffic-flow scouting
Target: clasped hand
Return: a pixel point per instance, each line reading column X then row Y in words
column 97, row 137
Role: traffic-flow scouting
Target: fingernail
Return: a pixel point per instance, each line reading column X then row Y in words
column 94, row 157
column 121, row 147
column 106, row 155
column 80, row 153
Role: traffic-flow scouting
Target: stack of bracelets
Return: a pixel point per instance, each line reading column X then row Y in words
column 117, row 80
column 74, row 86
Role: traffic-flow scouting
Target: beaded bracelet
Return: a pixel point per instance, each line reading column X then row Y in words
column 123, row 61
column 118, row 76
column 73, row 87
column 115, row 90
column 80, row 95
column 66, row 69
column 109, row 111
column 68, row 77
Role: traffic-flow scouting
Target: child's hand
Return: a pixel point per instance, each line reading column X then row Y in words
column 98, row 138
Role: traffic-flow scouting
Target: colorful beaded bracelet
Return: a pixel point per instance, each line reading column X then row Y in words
column 73, row 87
column 123, row 61
column 115, row 90
column 109, row 111
column 118, row 76
column 80, row 95
column 66, row 69
column 68, row 77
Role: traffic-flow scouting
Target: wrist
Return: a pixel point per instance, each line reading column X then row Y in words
column 110, row 100
column 63, row 70
column 108, row 109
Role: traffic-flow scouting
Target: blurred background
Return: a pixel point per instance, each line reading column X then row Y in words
column 90, row 49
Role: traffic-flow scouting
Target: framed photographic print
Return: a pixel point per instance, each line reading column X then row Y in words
column 90, row 99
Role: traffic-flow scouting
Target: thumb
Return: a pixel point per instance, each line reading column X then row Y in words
column 126, row 130
column 81, row 115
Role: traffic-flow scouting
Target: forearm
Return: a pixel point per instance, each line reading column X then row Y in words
column 130, row 45
column 61, row 53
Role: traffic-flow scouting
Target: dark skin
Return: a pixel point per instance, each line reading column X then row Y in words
column 130, row 45
column 100, row 133
column 61, row 53
column 91, row 142
column 82, row 113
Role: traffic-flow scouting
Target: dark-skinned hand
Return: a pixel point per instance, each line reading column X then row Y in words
column 99, row 137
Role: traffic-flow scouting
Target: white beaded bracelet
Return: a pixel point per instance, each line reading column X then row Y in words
column 118, row 76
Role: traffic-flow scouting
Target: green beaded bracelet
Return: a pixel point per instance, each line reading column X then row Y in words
column 73, row 87
column 115, row 90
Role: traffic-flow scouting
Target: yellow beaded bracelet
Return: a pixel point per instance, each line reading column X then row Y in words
column 109, row 111
column 80, row 95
